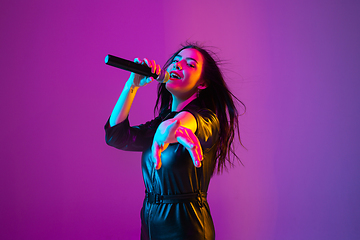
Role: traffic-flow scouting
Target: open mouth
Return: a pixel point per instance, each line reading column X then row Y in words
column 175, row 75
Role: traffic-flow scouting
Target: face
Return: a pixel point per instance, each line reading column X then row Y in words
column 185, row 73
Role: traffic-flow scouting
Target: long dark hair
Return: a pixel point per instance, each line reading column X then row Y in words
column 216, row 97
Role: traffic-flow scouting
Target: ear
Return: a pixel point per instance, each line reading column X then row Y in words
column 202, row 86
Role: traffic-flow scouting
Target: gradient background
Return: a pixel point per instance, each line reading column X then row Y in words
column 295, row 64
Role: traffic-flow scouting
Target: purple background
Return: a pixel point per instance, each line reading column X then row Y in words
column 295, row 64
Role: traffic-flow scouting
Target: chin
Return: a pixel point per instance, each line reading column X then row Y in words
column 170, row 87
column 180, row 94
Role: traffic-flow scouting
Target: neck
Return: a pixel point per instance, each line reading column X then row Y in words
column 178, row 104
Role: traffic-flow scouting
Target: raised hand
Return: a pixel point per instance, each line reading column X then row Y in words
column 137, row 80
column 171, row 131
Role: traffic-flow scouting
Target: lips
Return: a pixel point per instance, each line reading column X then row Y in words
column 175, row 75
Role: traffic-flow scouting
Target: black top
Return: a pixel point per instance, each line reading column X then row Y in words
column 177, row 175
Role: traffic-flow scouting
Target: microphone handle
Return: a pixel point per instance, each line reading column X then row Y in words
column 129, row 66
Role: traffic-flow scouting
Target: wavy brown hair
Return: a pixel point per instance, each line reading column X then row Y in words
column 216, row 97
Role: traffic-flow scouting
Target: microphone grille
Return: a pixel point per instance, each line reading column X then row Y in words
column 166, row 77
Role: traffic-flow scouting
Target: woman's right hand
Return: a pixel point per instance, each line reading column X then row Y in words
column 137, row 80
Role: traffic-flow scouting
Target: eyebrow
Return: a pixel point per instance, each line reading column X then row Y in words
column 186, row 58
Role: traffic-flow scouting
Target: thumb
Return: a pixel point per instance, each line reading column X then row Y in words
column 174, row 125
column 156, row 155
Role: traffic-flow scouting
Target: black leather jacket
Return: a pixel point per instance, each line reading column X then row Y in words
column 180, row 217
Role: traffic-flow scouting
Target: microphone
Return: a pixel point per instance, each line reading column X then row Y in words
column 136, row 68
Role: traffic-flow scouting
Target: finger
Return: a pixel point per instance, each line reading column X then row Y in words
column 148, row 62
column 195, row 141
column 137, row 60
column 197, row 144
column 184, row 139
column 193, row 151
column 156, row 154
column 188, row 139
column 172, row 127
column 153, row 66
column 158, row 69
column 149, row 80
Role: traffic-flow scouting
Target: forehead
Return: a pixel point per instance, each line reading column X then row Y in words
column 191, row 53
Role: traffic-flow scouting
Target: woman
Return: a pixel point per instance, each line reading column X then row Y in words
column 192, row 136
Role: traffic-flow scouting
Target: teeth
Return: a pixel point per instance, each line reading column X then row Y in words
column 174, row 75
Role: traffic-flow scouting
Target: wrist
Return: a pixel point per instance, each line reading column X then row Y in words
column 130, row 86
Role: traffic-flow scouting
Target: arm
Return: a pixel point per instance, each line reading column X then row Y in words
column 179, row 129
column 123, row 105
column 131, row 138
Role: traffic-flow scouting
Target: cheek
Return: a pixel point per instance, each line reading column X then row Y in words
column 194, row 78
column 169, row 68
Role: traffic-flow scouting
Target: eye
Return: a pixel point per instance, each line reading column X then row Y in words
column 175, row 60
column 191, row 65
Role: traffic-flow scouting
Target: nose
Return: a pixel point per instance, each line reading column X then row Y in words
column 177, row 65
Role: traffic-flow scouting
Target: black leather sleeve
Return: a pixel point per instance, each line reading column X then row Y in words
column 135, row 138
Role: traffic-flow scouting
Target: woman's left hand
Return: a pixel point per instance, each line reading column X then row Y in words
column 171, row 131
